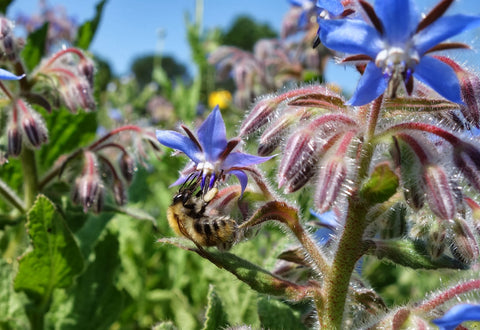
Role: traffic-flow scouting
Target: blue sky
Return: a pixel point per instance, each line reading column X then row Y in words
column 130, row 28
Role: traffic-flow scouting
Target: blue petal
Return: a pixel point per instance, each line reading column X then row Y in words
column 440, row 77
column 326, row 219
column 457, row 314
column 239, row 159
column 7, row 75
column 370, row 86
column 180, row 142
column 212, row 135
column 350, row 36
column 442, row 29
column 242, row 177
column 334, row 7
column 399, row 18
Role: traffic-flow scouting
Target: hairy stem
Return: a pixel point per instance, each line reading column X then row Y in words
column 351, row 245
column 11, row 197
column 30, row 175
column 337, row 280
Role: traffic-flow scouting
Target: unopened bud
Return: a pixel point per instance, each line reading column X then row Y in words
column 467, row 159
column 14, row 138
column 299, row 160
column 331, row 176
column 35, row 130
column 436, row 240
column 272, row 136
column 463, row 245
column 87, row 190
column 259, row 116
column 88, row 70
column 119, row 193
column 410, row 168
column 475, row 213
column 85, row 96
column 439, row 194
column 99, row 201
column 127, row 167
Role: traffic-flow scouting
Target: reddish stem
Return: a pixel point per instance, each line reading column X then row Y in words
column 450, row 293
column 63, row 52
column 428, row 128
column 135, row 128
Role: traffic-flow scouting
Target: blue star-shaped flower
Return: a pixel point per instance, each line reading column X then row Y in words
column 396, row 45
column 211, row 154
column 7, row 75
column 456, row 315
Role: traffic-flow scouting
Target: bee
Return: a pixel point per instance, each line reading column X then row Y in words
column 187, row 217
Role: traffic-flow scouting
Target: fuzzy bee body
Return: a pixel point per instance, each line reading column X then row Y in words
column 186, row 216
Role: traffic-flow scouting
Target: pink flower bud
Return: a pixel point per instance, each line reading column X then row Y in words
column 331, row 176
column 127, row 167
column 463, row 245
column 467, row 159
column 119, row 193
column 435, row 244
column 259, row 116
column 299, row 160
column 35, row 130
column 14, row 139
column 439, row 194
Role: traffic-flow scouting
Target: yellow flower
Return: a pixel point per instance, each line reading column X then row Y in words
column 222, row 98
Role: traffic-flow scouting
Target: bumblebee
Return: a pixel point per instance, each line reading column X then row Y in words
column 187, row 217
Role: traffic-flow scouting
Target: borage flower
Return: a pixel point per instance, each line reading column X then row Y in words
column 211, row 154
column 458, row 314
column 395, row 47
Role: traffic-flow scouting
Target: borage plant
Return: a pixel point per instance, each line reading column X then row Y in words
column 397, row 164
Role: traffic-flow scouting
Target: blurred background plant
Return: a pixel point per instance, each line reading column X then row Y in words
column 85, row 184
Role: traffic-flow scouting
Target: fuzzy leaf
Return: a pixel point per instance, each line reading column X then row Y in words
column 55, row 259
column 168, row 325
column 215, row 317
column 86, row 32
column 256, row 277
column 383, row 183
column 35, row 47
column 68, row 131
column 275, row 314
column 12, row 312
column 94, row 302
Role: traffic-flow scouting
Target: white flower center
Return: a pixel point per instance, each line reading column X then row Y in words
column 395, row 60
column 206, row 168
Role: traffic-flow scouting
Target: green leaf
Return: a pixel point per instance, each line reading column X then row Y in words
column 256, row 277
column 275, row 314
column 55, row 259
column 67, row 132
column 215, row 317
column 35, row 47
column 164, row 326
column 94, row 302
column 86, row 32
column 381, row 185
column 12, row 312
column 4, row 5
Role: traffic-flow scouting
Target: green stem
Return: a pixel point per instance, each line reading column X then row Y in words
column 351, row 246
column 11, row 197
column 337, row 280
column 30, row 175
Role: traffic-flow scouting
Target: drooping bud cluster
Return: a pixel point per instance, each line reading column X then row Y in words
column 318, row 137
column 273, row 64
column 25, row 126
column 100, row 171
column 72, row 73
column 9, row 45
